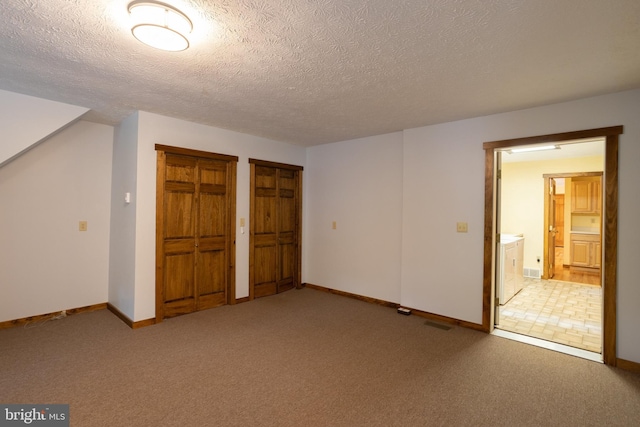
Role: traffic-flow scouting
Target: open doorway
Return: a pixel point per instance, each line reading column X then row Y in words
column 573, row 222
column 536, row 296
column 609, row 221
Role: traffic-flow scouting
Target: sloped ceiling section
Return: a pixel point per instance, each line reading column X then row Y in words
column 26, row 121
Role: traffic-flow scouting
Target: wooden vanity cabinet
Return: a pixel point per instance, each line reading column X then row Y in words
column 586, row 250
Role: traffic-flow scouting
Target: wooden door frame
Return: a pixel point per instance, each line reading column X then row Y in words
column 252, row 185
column 232, row 161
column 611, row 136
column 547, row 177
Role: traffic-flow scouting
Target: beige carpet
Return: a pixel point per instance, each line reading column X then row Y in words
column 304, row 358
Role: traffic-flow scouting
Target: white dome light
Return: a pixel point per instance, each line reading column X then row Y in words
column 160, row 25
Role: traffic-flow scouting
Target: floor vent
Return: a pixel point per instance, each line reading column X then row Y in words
column 437, row 325
column 532, row 272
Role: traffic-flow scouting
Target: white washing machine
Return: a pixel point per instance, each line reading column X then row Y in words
column 510, row 268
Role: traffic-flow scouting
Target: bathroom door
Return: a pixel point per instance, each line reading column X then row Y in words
column 552, row 230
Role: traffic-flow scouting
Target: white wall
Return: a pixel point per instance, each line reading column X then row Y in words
column 444, row 183
column 26, row 121
column 627, row 109
column 523, row 199
column 46, row 264
column 357, row 184
column 123, row 217
column 155, row 129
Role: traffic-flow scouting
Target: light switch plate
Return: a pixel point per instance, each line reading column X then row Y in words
column 461, row 227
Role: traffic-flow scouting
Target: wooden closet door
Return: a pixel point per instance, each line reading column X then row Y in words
column 287, row 229
column 179, row 237
column 212, row 235
column 275, row 230
column 195, row 234
column 264, row 232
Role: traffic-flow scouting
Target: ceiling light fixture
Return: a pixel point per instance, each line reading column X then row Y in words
column 159, row 25
column 537, row 148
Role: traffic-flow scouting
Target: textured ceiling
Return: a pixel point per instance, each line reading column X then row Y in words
column 311, row 72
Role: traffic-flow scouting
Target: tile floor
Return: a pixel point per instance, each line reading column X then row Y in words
column 561, row 312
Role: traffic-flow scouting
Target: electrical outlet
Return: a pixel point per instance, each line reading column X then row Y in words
column 82, row 226
column 462, row 227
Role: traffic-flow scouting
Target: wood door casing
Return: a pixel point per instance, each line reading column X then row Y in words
column 195, row 234
column 275, row 228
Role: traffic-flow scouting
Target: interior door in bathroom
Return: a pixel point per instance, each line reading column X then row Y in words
column 552, row 231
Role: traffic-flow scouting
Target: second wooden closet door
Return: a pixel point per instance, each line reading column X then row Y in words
column 275, row 228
